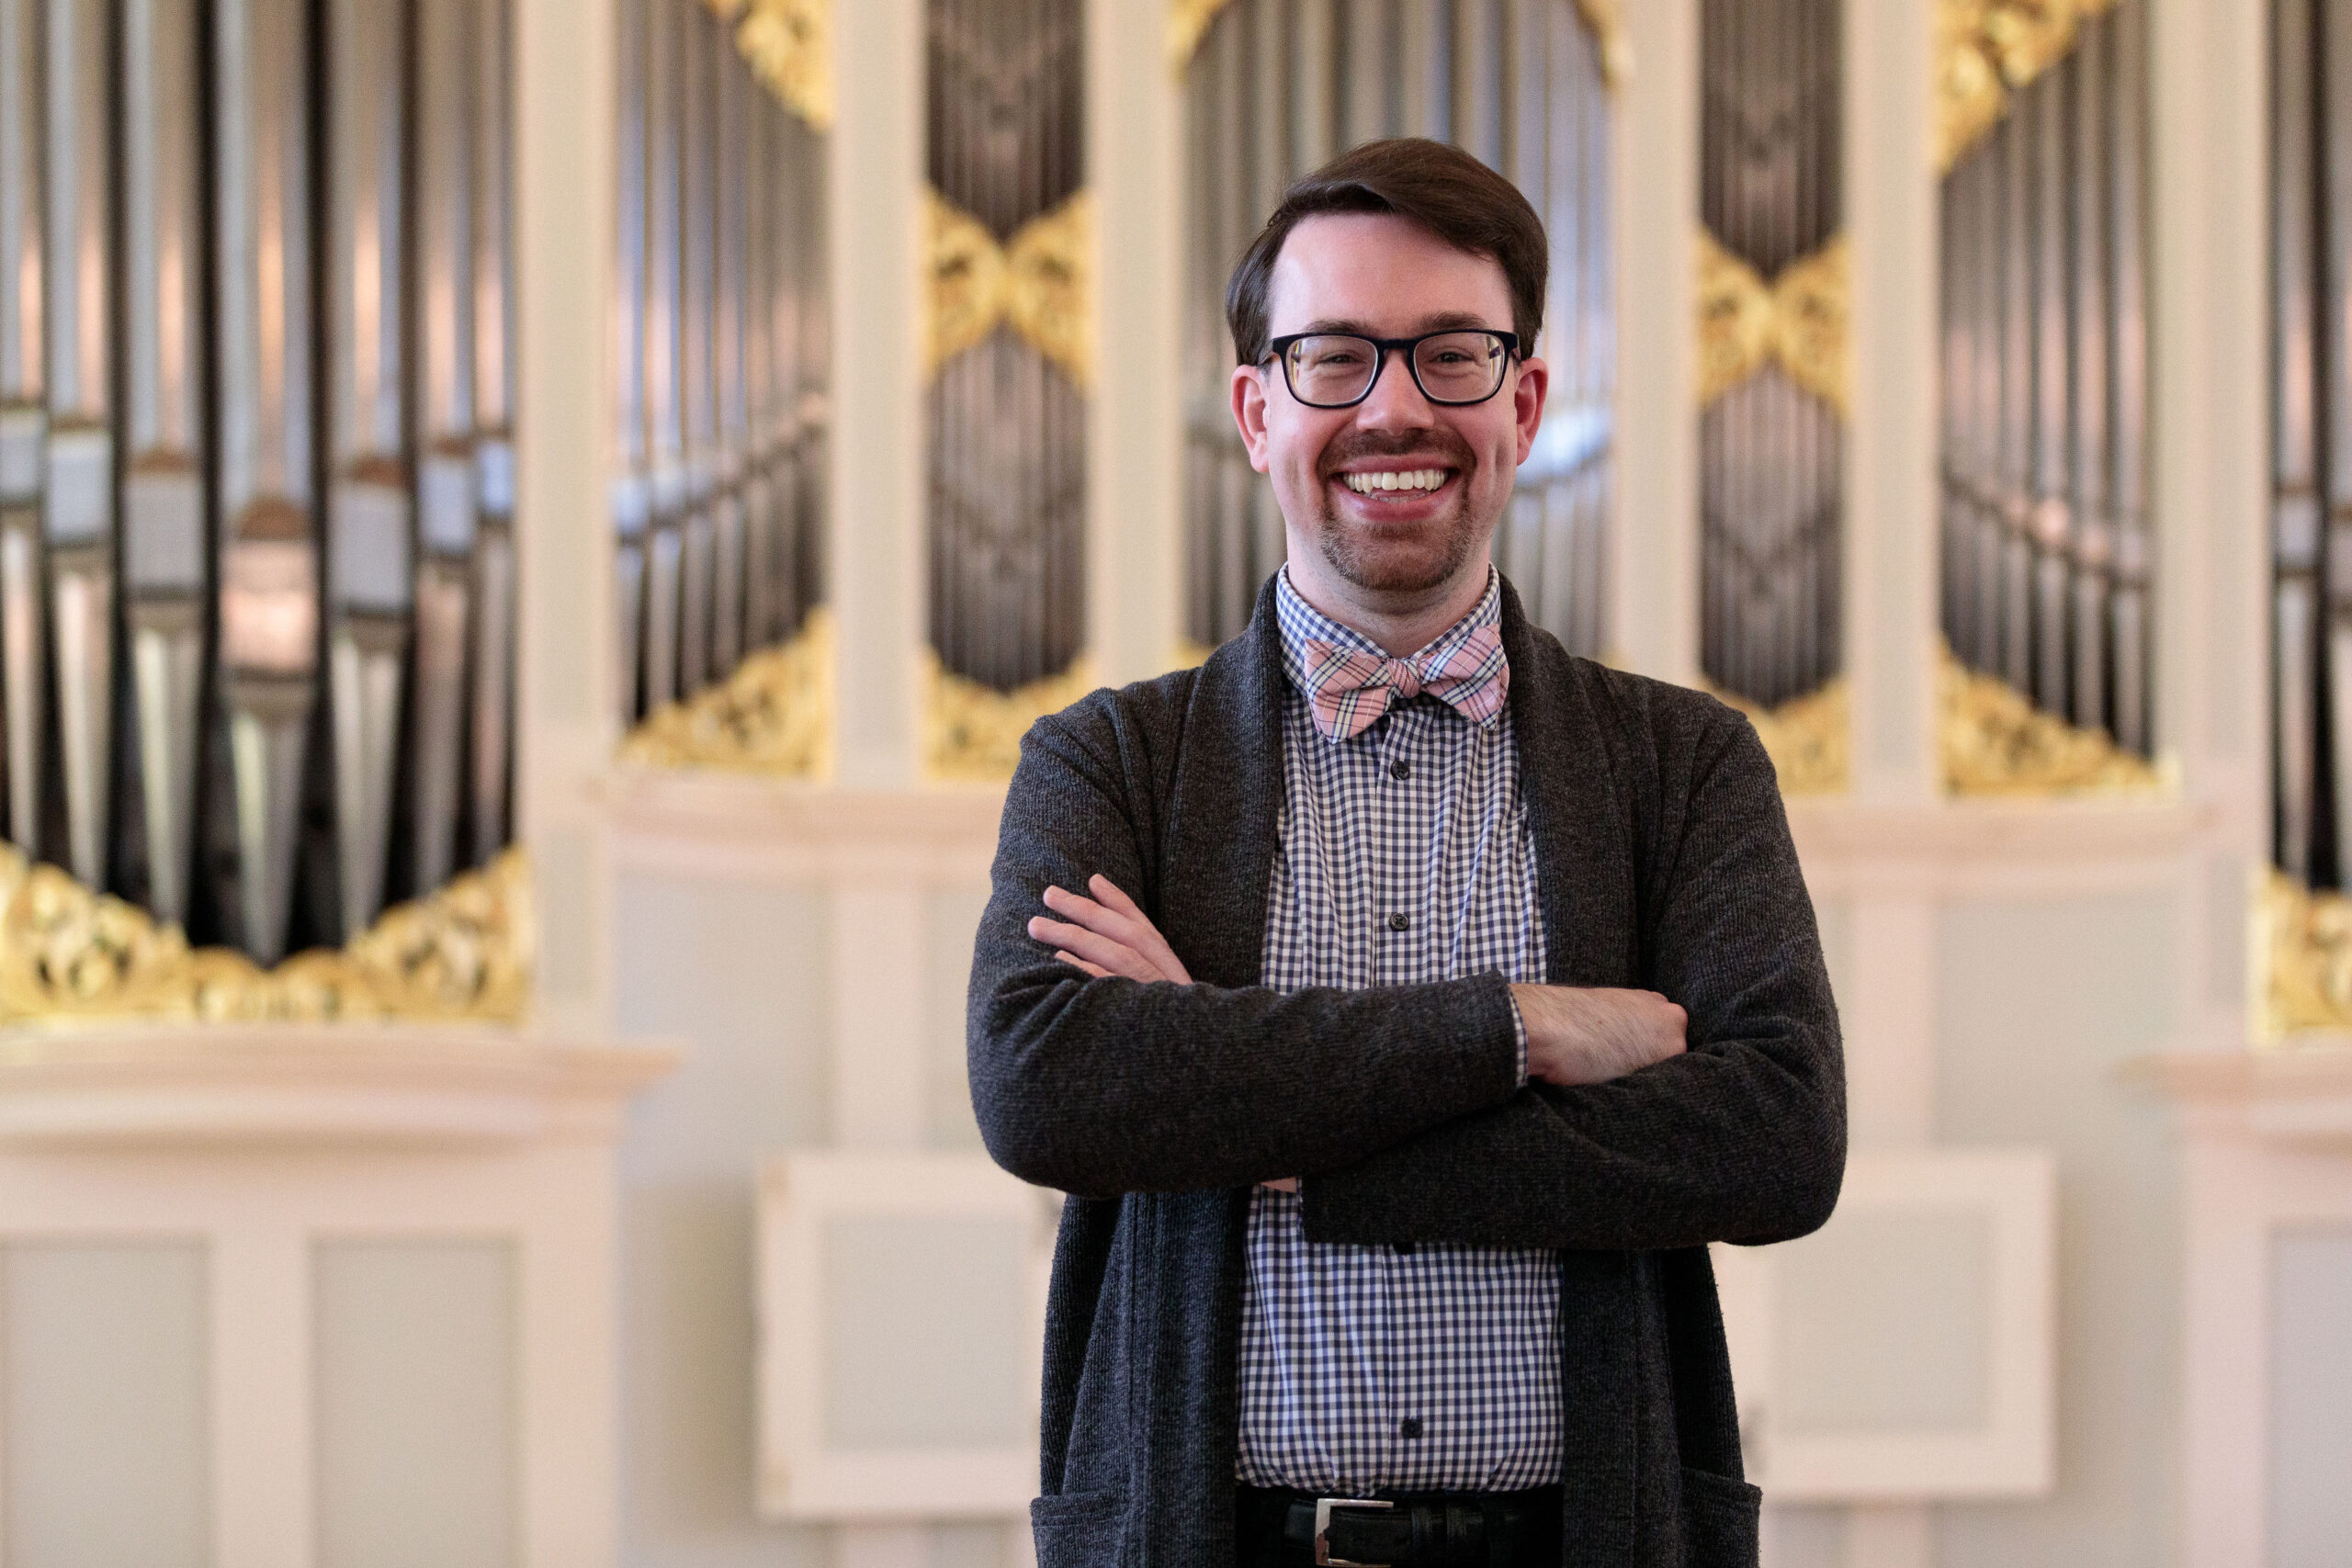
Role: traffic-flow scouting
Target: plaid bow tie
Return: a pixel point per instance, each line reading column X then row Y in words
column 1348, row 690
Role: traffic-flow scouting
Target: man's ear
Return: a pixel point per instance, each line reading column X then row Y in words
column 1249, row 390
column 1527, row 401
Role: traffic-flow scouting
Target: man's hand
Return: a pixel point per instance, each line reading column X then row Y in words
column 1577, row 1036
column 1106, row 935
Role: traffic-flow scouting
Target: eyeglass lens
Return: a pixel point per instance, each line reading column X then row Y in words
column 1330, row 370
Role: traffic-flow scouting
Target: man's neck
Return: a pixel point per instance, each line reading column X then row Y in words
column 1402, row 623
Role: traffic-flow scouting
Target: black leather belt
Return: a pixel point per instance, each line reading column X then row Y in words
column 1406, row 1530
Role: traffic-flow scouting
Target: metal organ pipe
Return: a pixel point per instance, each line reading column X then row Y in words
column 78, row 490
column 268, row 598
column 165, row 439
column 369, row 502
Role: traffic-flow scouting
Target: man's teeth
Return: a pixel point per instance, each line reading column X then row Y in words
column 1410, row 478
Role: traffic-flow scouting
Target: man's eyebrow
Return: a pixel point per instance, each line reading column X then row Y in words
column 1441, row 321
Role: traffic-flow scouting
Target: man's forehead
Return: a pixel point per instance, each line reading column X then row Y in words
column 1380, row 270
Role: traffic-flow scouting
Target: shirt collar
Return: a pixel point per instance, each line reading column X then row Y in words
column 1298, row 620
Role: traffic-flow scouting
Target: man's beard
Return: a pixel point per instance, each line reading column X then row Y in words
column 1389, row 570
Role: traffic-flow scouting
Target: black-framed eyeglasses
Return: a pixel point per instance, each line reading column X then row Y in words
column 1338, row 370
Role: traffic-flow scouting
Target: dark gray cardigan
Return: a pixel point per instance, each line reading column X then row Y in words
column 1663, row 861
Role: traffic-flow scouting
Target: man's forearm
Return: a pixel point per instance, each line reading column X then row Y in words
column 1743, row 1142
column 1105, row 1086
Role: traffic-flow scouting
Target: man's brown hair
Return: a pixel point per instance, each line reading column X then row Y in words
column 1442, row 188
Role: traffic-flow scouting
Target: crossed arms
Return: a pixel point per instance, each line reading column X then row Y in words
column 1100, row 1067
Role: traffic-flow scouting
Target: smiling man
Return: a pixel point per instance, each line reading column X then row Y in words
column 1405, row 1003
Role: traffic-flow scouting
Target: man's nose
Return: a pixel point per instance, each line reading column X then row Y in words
column 1396, row 402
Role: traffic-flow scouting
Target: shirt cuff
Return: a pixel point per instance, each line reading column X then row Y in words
column 1518, row 1034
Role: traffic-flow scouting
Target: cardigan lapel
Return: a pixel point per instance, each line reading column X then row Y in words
column 1576, row 812
column 1217, row 868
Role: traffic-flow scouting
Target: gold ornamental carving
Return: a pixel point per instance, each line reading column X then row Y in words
column 1606, row 18
column 1042, row 283
column 1799, row 319
column 2301, row 959
column 1996, row 743
column 1986, row 50
column 69, row 956
column 1809, row 738
column 972, row 732
column 773, row 716
column 789, row 46
column 1188, row 23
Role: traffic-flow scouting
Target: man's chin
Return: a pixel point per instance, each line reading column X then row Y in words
column 1398, row 577
column 1397, row 566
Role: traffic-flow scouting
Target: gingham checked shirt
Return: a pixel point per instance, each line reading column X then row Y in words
column 1371, row 1366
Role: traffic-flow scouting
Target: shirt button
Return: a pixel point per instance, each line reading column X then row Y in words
column 1411, row 1427
column 1400, row 921
column 1400, row 769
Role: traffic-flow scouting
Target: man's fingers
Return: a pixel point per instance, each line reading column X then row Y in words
column 1085, row 911
column 1142, row 935
column 1075, row 961
column 1114, row 896
column 1114, row 957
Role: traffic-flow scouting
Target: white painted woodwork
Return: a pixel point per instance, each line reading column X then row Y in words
column 1906, row 1351
column 258, row 1144
column 103, row 1404
column 565, row 166
column 876, row 248
column 2269, row 1148
column 1135, row 523
column 948, row 1440
column 1890, row 515
column 1654, row 216
column 416, row 1430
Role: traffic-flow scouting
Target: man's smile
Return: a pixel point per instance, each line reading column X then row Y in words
column 1395, row 481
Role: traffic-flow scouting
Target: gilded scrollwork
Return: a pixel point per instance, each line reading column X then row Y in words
column 1606, row 18
column 2303, row 960
column 1809, row 738
column 1996, row 743
column 771, row 716
column 789, row 44
column 1188, row 23
column 1988, row 49
column 972, row 732
column 69, row 954
column 1799, row 319
column 1042, row 283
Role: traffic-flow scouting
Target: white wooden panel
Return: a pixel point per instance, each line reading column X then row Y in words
column 1906, row 1351
column 416, row 1398
column 102, row 1404
column 2310, row 1398
column 974, row 1338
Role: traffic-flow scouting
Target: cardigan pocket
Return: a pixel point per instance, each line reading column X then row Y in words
column 1720, row 1527
column 1074, row 1529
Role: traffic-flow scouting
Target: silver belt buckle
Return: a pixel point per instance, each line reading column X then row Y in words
column 1323, row 1507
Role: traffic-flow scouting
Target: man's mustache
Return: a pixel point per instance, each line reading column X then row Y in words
column 1442, row 448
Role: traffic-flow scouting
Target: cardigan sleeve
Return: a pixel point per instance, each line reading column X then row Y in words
column 1101, row 1086
column 1742, row 1139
